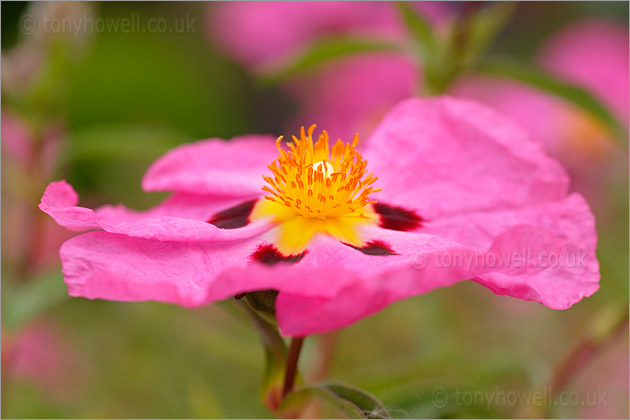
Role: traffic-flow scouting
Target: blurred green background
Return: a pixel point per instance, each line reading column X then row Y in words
column 122, row 100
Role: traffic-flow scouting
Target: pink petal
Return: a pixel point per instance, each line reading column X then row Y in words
column 183, row 205
column 216, row 167
column 60, row 202
column 178, row 229
column 541, row 114
column 17, row 138
column 573, row 274
column 116, row 267
column 570, row 219
column 585, row 148
column 182, row 217
column 446, row 156
column 40, row 353
column 544, row 253
column 360, row 285
column 566, row 281
column 101, row 265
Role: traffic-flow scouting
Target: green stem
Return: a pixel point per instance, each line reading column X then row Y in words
column 292, row 362
column 578, row 359
column 581, row 355
column 268, row 333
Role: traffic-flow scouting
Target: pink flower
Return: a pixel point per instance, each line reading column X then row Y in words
column 592, row 54
column 260, row 42
column 27, row 163
column 464, row 194
column 17, row 139
column 39, row 353
column 364, row 86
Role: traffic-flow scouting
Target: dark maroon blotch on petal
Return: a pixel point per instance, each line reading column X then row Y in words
column 375, row 248
column 397, row 218
column 234, row 217
column 268, row 254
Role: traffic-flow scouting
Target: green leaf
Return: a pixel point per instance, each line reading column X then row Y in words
column 574, row 94
column 204, row 402
column 323, row 51
column 484, row 27
column 29, row 300
column 466, row 38
column 134, row 142
column 419, row 28
column 165, row 81
column 350, row 401
column 429, row 47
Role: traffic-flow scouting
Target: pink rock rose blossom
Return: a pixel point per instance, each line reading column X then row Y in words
column 27, row 164
column 40, row 353
column 461, row 190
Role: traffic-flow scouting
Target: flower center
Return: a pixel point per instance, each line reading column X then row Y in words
column 318, row 181
column 315, row 189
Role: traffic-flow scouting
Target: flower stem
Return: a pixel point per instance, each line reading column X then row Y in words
column 294, row 354
column 584, row 353
column 581, row 356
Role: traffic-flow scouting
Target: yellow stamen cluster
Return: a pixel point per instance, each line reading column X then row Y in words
column 317, row 181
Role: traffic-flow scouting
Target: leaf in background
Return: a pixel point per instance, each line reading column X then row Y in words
column 484, row 26
column 350, row 401
column 170, row 80
column 135, row 142
column 21, row 304
column 456, row 49
column 323, row 51
column 112, row 158
column 419, row 28
column 204, row 403
column 428, row 47
column 574, row 94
